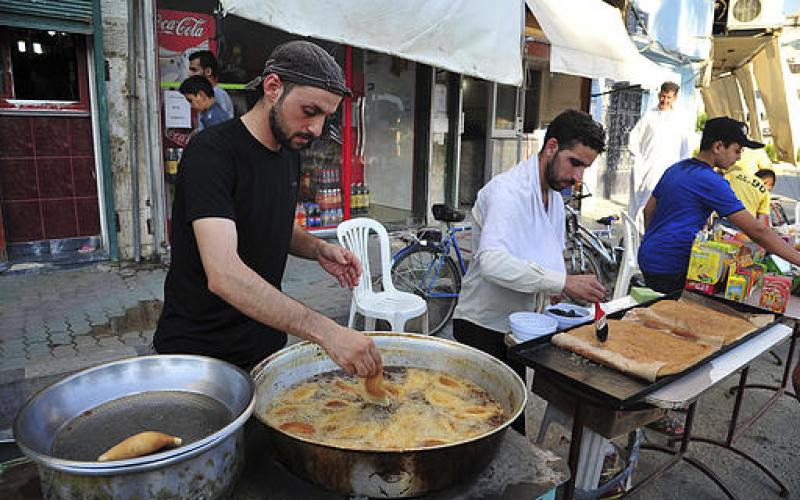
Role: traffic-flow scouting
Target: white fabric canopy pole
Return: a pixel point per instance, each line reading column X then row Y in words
column 473, row 38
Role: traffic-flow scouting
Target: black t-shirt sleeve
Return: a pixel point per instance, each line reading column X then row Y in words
column 208, row 177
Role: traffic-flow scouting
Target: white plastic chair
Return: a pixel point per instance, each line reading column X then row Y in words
column 629, row 264
column 391, row 304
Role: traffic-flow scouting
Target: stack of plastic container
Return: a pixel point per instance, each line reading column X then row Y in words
column 530, row 325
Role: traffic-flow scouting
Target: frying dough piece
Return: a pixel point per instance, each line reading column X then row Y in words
column 635, row 349
column 138, row 445
column 375, row 390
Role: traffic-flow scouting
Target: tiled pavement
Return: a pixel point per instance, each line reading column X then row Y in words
column 57, row 322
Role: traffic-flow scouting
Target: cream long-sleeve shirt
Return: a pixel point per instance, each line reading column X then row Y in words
column 498, row 284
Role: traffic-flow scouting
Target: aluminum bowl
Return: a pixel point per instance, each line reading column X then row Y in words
column 216, row 456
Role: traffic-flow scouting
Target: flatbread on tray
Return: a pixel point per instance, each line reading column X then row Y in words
column 635, row 349
column 694, row 321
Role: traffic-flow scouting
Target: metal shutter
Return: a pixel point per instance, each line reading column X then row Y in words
column 74, row 16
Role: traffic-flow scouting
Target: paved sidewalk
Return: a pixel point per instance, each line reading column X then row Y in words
column 57, row 322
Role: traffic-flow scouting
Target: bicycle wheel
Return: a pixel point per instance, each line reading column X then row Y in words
column 424, row 271
column 587, row 263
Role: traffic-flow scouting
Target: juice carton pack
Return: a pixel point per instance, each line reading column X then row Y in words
column 706, row 264
column 775, row 293
column 738, row 285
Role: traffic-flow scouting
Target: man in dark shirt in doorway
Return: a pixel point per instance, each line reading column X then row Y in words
column 233, row 226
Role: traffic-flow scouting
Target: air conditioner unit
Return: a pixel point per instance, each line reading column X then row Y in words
column 754, row 14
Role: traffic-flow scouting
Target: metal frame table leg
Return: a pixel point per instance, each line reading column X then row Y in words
column 779, row 390
column 574, row 451
column 679, row 455
column 735, row 431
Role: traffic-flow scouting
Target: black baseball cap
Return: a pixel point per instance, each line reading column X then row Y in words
column 728, row 130
column 304, row 63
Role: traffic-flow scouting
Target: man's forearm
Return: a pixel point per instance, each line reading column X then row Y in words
column 773, row 243
column 245, row 290
column 303, row 244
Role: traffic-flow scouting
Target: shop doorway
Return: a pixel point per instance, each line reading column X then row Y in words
column 471, row 171
column 389, row 86
column 48, row 181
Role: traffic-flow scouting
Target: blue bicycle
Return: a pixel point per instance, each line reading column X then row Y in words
column 426, row 267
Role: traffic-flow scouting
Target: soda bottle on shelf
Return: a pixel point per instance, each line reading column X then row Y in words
column 300, row 215
column 339, row 215
column 317, row 218
column 353, row 200
column 171, row 165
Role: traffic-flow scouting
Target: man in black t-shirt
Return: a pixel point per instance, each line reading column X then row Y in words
column 233, row 226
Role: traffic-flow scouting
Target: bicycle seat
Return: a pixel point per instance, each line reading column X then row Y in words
column 443, row 213
column 607, row 220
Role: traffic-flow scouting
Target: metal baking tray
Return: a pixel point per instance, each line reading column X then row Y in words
column 608, row 386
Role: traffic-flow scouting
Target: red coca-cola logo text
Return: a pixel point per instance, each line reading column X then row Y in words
column 188, row 26
column 180, row 139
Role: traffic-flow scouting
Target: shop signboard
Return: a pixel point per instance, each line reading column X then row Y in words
column 180, row 33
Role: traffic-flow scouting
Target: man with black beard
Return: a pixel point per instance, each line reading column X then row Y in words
column 233, row 226
column 518, row 234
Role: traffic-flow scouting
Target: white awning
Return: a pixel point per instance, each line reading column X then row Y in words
column 472, row 38
column 591, row 41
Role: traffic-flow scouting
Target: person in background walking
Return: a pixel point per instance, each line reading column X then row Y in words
column 659, row 139
column 198, row 91
column 204, row 63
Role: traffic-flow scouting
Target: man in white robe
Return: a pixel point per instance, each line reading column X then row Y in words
column 659, row 139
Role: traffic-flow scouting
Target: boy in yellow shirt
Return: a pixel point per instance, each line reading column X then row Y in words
column 753, row 193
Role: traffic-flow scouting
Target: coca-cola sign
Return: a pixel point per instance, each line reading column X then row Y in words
column 180, row 30
column 190, row 26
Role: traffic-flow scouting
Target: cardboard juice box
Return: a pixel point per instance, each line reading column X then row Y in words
column 706, row 264
column 736, row 288
column 775, row 293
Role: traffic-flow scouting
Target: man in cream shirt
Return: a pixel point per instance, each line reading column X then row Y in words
column 659, row 139
column 518, row 231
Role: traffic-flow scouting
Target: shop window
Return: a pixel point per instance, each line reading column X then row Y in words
column 505, row 109
column 43, row 70
column 533, row 93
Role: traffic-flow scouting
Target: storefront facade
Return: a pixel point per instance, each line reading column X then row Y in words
column 54, row 156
